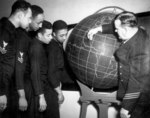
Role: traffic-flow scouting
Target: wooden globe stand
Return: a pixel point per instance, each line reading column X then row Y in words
column 102, row 100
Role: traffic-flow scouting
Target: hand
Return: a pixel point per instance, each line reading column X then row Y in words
column 60, row 98
column 124, row 113
column 93, row 31
column 42, row 103
column 3, row 102
column 60, row 94
column 23, row 104
column 2, row 50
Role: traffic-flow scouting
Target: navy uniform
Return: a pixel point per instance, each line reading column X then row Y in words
column 22, row 72
column 7, row 63
column 56, row 62
column 21, row 56
column 134, row 84
column 134, row 73
column 39, row 70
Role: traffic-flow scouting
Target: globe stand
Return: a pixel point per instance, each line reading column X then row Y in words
column 102, row 100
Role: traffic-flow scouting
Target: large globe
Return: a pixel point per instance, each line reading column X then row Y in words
column 93, row 62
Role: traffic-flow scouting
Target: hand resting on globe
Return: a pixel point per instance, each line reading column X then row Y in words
column 93, row 31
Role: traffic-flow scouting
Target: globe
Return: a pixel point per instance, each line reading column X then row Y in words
column 93, row 61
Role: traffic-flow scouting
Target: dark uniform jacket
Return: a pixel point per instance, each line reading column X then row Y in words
column 134, row 68
column 27, row 62
column 39, row 66
column 7, row 54
column 39, row 71
column 55, row 62
column 22, row 57
column 134, row 58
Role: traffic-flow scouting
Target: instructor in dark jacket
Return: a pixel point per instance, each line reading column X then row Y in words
column 134, row 69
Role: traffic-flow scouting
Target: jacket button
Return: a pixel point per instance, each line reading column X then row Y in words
column 120, row 73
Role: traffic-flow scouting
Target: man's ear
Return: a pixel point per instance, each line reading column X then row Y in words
column 20, row 15
column 39, row 35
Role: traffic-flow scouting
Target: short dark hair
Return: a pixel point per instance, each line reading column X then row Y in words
column 127, row 18
column 45, row 25
column 59, row 24
column 36, row 10
column 20, row 5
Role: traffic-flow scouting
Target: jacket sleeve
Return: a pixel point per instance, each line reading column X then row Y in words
column 20, row 69
column 35, row 70
column 108, row 28
column 2, row 85
column 21, row 58
column 132, row 95
column 4, row 79
column 55, row 65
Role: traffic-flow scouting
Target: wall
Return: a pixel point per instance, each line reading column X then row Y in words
column 5, row 7
column 72, row 11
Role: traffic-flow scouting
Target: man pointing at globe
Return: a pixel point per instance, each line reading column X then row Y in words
column 134, row 65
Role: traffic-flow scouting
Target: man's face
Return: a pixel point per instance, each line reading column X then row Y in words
column 120, row 30
column 46, row 37
column 61, row 35
column 37, row 22
column 26, row 19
